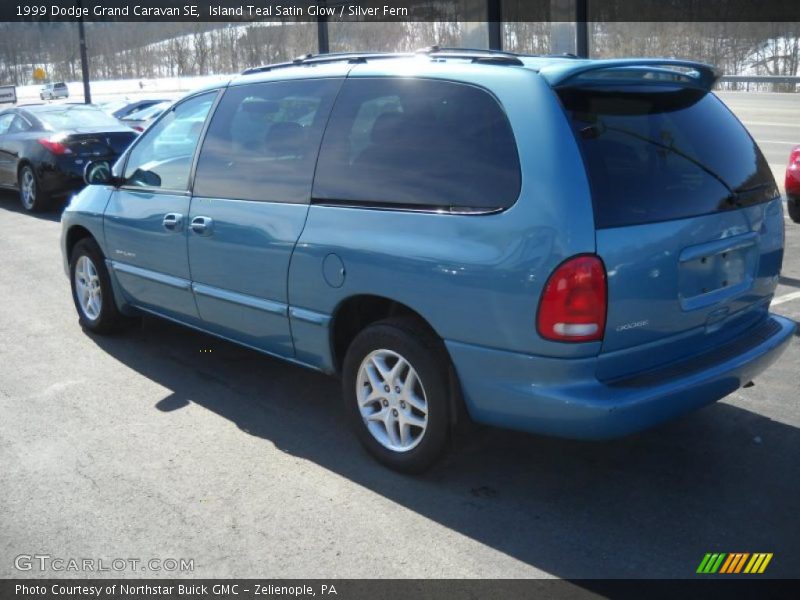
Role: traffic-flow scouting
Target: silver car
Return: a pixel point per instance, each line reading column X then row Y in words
column 51, row 91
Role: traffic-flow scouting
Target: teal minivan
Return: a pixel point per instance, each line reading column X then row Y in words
column 579, row 248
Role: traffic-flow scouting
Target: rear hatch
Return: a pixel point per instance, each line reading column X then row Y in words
column 688, row 217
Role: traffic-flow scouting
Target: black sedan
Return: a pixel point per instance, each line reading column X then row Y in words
column 44, row 149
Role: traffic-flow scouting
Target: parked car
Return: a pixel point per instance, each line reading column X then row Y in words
column 52, row 91
column 532, row 243
column 121, row 109
column 143, row 118
column 44, row 148
column 792, row 185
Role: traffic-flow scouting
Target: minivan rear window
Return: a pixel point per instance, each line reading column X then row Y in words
column 419, row 144
column 658, row 154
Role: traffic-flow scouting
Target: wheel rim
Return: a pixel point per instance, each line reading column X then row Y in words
column 28, row 188
column 391, row 400
column 87, row 288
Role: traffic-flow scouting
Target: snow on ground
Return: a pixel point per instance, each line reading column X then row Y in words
column 102, row 91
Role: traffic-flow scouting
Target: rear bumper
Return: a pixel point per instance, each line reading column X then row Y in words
column 562, row 397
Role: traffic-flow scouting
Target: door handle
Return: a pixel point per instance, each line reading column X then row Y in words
column 202, row 225
column 173, row 221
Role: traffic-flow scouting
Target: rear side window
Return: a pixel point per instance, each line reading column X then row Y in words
column 19, row 125
column 662, row 155
column 263, row 140
column 418, row 143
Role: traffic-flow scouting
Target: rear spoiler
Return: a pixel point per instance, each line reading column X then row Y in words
column 652, row 71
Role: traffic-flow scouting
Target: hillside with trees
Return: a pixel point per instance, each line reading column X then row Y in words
column 163, row 49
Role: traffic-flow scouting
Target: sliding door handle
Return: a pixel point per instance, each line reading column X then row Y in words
column 173, row 221
column 202, row 225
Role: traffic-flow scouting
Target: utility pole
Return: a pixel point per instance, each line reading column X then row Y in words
column 323, row 44
column 569, row 27
column 581, row 29
column 87, row 94
column 494, row 10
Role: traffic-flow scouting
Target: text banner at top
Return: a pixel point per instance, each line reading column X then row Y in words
column 402, row 10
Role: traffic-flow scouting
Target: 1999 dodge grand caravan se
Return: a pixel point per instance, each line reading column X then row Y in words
column 577, row 248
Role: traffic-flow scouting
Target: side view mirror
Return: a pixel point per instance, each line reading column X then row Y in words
column 98, row 173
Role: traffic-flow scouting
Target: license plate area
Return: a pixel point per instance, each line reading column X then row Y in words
column 712, row 272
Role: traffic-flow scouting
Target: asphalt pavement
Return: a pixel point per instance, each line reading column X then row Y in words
column 163, row 443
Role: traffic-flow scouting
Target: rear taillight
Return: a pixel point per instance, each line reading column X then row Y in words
column 573, row 304
column 55, row 146
column 792, row 184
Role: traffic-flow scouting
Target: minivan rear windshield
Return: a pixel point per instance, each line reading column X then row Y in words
column 658, row 154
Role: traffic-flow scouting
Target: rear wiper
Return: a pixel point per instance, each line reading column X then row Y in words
column 735, row 199
column 600, row 127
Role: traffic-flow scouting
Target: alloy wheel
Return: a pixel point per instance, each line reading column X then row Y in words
column 392, row 400
column 88, row 289
column 28, row 188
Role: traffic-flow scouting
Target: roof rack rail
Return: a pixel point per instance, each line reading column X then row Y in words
column 316, row 59
column 477, row 55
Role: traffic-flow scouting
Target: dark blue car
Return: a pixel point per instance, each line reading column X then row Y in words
column 570, row 247
column 44, row 149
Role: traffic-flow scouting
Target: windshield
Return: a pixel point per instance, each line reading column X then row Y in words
column 663, row 155
column 75, row 117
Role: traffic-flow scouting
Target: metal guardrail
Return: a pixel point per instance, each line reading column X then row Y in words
column 760, row 83
column 759, row 79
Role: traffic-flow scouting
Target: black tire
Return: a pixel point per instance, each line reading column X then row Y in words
column 109, row 319
column 425, row 353
column 31, row 195
column 793, row 207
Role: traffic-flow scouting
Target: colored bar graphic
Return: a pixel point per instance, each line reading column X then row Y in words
column 755, row 562
column 711, row 563
column 727, row 564
column 764, row 564
column 740, row 564
column 730, row 564
column 703, row 563
column 723, row 563
column 717, row 563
